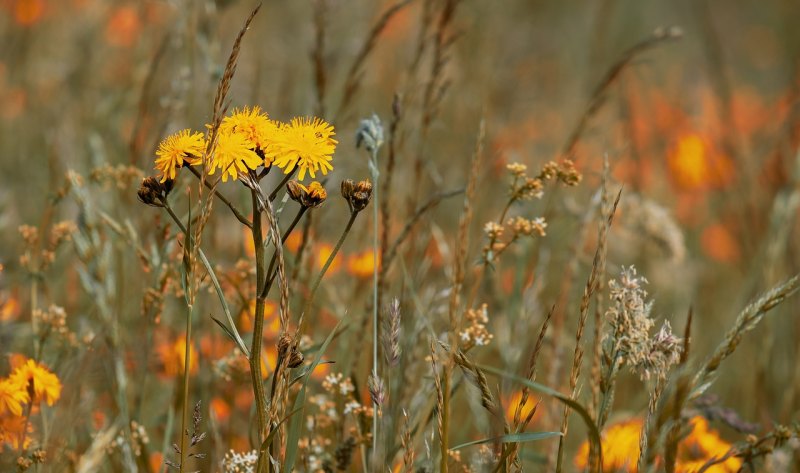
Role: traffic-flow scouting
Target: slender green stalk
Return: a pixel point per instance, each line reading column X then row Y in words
column 271, row 271
column 336, row 249
column 375, row 249
column 187, row 359
column 258, row 325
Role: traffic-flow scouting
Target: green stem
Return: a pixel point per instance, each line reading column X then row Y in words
column 286, row 234
column 336, row 249
column 258, row 328
column 239, row 216
column 187, row 359
column 375, row 208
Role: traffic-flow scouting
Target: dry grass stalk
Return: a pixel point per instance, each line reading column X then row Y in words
column 408, row 445
column 597, row 347
column 459, row 263
column 519, row 423
column 598, row 96
column 353, row 81
column 318, row 55
column 589, row 290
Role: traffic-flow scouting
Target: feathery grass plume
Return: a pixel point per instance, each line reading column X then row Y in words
column 477, row 378
column 377, row 392
column 391, row 333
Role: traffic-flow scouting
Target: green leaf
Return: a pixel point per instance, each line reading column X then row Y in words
column 510, row 438
column 594, row 434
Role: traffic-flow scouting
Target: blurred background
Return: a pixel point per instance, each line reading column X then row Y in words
column 701, row 133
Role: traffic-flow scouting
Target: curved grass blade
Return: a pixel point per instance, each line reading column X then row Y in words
column 510, row 438
column 594, row 434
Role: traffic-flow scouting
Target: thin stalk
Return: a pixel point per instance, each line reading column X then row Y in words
column 375, row 246
column 239, row 216
column 322, row 272
column 271, row 271
column 187, row 358
column 258, row 326
column 280, row 186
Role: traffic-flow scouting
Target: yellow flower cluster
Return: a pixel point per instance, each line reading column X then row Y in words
column 248, row 139
column 28, row 385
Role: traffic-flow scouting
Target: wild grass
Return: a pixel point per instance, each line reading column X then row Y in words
column 455, row 257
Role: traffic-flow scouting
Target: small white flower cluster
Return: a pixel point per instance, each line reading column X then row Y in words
column 476, row 333
column 235, row 462
column 337, row 380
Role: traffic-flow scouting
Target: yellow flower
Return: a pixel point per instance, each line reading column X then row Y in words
column 305, row 143
column 46, row 386
column 233, row 155
column 12, row 397
column 255, row 125
column 620, row 447
column 175, row 149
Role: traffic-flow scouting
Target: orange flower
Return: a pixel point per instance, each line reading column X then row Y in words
column 123, row 26
column 272, row 321
column 701, row 445
column 11, row 429
column 173, row 359
column 719, row 244
column 516, row 398
column 324, row 251
column 695, row 165
column 362, row 265
column 9, row 310
column 28, row 12
column 13, row 396
column 621, row 449
column 46, row 386
column 220, row 409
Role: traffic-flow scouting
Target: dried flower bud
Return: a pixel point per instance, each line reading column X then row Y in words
column 152, row 192
column 357, row 195
column 286, row 345
column 312, row 196
column 370, row 132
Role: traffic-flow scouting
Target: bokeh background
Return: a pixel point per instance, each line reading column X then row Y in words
column 700, row 132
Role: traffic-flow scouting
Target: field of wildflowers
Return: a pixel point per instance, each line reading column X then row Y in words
column 399, row 235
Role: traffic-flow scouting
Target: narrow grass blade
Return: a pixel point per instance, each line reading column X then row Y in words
column 594, row 433
column 510, row 438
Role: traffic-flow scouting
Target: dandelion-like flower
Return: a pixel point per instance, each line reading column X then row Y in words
column 256, row 126
column 177, row 149
column 12, row 396
column 46, row 386
column 233, row 155
column 305, row 143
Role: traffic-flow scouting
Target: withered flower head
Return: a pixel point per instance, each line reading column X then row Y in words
column 312, row 196
column 358, row 194
column 153, row 192
column 286, row 344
